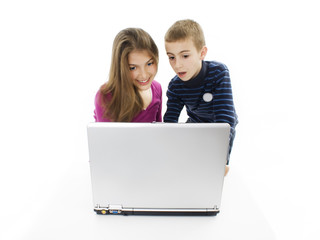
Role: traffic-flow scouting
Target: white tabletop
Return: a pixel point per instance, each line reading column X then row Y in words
column 68, row 214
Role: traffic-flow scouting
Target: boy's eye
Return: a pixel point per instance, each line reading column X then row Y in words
column 171, row 58
column 185, row 56
column 150, row 63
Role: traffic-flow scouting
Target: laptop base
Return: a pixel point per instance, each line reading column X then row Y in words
column 154, row 212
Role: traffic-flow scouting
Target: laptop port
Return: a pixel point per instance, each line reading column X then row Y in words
column 114, row 211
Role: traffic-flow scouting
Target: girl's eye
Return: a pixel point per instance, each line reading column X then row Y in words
column 185, row 56
column 171, row 58
column 150, row 63
column 132, row 68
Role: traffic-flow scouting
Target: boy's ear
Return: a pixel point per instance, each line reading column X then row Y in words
column 203, row 52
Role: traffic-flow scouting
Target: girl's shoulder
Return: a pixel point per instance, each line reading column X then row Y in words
column 101, row 96
column 156, row 85
column 156, row 88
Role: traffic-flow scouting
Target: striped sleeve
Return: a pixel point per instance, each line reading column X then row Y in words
column 223, row 105
column 174, row 105
column 223, row 101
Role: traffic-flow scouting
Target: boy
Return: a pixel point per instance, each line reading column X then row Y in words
column 202, row 86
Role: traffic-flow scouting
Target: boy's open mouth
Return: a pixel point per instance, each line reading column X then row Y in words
column 182, row 74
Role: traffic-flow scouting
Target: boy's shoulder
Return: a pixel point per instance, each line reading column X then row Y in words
column 215, row 70
column 216, row 65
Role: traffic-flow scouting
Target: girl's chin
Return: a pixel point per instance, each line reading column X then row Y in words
column 143, row 88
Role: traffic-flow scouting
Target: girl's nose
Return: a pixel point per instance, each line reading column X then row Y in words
column 143, row 74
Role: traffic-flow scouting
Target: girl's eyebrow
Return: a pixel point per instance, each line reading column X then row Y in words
column 137, row 65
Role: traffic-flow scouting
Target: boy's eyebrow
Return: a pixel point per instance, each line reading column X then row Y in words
column 183, row 51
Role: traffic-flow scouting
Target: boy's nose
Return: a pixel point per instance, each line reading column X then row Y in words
column 178, row 64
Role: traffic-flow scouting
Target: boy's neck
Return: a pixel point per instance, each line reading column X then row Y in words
column 199, row 78
column 197, row 73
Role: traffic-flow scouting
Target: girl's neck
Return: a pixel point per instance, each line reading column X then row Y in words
column 146, row 96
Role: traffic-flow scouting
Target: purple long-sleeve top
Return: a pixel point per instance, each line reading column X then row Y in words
column 151, row 114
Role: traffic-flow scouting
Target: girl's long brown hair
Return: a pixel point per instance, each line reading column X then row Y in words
column 126, row 101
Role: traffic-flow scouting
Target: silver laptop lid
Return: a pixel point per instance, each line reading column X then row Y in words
column 157, row 166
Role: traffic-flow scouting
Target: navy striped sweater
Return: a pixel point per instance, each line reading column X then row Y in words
column 207, row 97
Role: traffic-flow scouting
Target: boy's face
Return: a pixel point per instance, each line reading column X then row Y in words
column 184, row 58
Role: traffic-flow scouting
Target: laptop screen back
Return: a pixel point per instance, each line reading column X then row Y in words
column 158, row 165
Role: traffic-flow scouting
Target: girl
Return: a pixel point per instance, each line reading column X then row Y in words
column 131, row 94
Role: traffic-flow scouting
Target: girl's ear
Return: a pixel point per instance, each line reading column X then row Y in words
column 203, row 52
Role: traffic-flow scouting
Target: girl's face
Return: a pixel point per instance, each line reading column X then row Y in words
column 142, row 69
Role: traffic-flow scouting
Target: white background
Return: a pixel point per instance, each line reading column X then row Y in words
column 54, row 55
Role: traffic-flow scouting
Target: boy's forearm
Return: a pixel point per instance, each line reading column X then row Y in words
column 171, row 116
column 173, row 111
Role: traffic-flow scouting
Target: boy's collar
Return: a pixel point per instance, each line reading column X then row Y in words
column 198, row 80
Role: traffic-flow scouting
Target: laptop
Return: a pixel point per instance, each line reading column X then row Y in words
column 157, row 168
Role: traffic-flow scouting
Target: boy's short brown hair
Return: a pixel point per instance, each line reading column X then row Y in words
column 184, row 29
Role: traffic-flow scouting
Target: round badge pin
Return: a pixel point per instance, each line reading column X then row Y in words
column 207, row 97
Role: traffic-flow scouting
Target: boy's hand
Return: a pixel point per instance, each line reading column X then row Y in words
column 226, row 170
